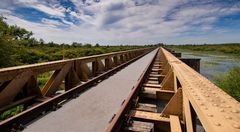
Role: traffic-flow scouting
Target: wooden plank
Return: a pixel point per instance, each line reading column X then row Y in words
column 153, row 79
column 158, row 75
column 157, row 70
column 152, row 82
column 175, row 124
column 149, row 94
column 137, row 126
column 155, row 73
column 157, row 65
column 146, row 107
column 157, row 93
column 151, row 89
column 148, row 116
column 152, row 85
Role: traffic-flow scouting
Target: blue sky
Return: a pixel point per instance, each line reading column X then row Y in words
column 127, row 21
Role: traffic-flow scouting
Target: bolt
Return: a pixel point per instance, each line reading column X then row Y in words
column 217, row 124
column 235, row 111
column 228, row 117
column 228, row 106
column 222, row 110
column 210, row 115
column 236, row 126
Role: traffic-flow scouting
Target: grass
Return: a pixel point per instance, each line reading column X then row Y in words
column 211, row 63
column 230, row 82
column 230, row 49
column 11, row 112
column 43, row 78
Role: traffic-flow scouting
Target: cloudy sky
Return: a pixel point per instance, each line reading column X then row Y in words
column 127, row 21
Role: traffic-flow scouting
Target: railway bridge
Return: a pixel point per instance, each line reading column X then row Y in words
column 142, row 90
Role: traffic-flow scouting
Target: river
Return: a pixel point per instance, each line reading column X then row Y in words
column 212, row 64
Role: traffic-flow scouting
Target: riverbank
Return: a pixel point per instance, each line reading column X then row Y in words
column 223, row 69
column 232, row 49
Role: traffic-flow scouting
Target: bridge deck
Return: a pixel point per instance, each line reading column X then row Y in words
column 93, row 109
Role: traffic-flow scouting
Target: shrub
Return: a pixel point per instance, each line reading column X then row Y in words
column 11, row 112
column 230, row 82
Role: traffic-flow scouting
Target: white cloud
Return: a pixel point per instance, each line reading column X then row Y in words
column 123, row 21
column 49, row 10
column 51, row 22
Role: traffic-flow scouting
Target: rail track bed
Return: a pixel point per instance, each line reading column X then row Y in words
column 171, row 96
column 75, row 78
column 92, row 110
column 142, row 111
column 143, row 90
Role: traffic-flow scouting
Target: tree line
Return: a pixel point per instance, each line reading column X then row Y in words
column 19, row 47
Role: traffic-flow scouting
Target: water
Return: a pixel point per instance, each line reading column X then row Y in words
column 213, row 65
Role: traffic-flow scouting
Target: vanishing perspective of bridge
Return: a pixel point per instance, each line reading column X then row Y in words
column 148, row 89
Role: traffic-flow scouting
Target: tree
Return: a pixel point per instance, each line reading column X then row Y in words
column 75, row 44
column 5, row 47
column 19, row 33
column 97, row 45
column 41, row 41
column 88, row 45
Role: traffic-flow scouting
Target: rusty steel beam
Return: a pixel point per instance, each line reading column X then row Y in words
column 53, row 103
column 217, row 111
column 9, row 73
column 191, row 97
column 23, row 79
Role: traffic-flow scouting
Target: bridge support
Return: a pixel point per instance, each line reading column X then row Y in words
column 194, row 63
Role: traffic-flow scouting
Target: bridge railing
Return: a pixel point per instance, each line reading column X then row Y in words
column 197, row 99
column 21, row 84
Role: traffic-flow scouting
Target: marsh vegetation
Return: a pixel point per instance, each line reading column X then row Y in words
column 220, row 63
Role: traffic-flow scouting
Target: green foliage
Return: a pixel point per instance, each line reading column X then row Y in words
column 233, row 48
column 5, row 45
column 43, row 78
column 11, row 112
column 230, row 82
column 17, row 47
